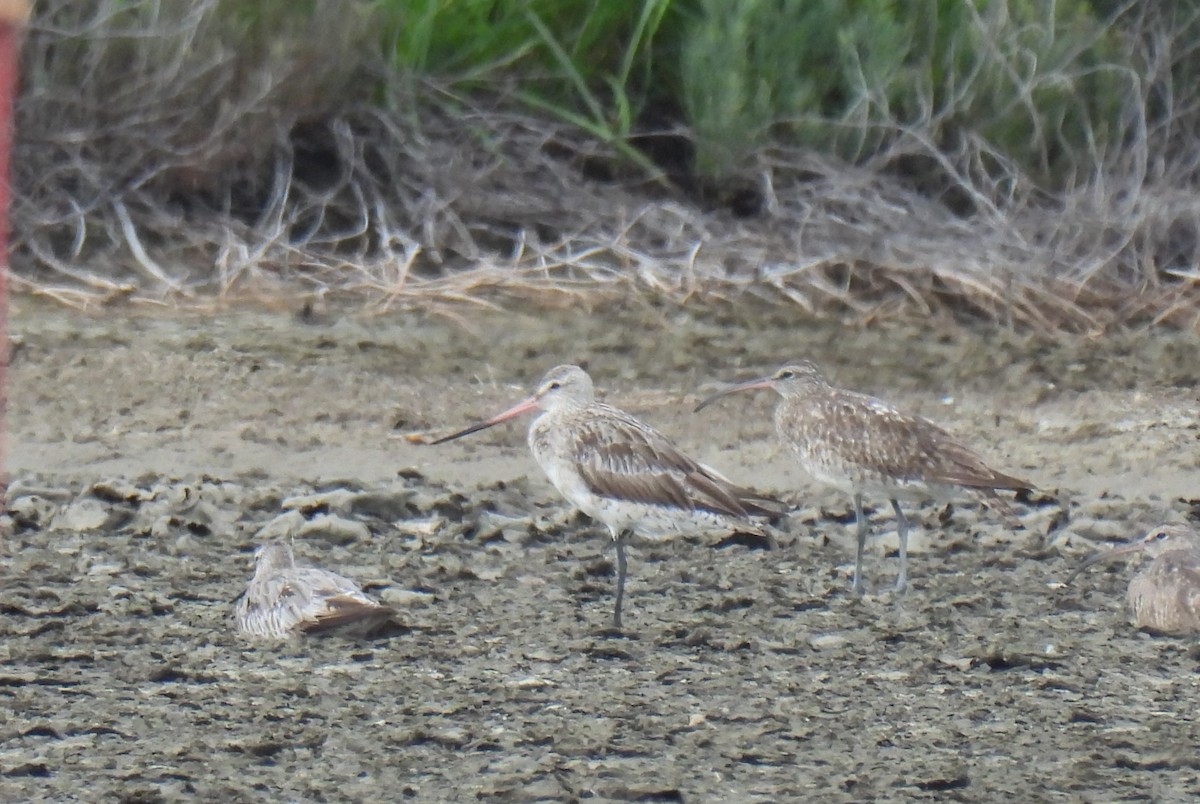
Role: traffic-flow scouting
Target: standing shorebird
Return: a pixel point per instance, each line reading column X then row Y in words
column 622, row 472
column 1165, row 596
column 283, row 599
column 862, row 445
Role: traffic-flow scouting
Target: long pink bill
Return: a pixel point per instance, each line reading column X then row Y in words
column 516, row 410
column 1105, row 555
column 748, row 385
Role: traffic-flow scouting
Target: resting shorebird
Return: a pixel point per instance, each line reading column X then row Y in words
column 621, row 472
column 862, row 445
column 1165, row 596
column 283, row 599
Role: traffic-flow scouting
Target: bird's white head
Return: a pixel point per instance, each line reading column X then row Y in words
column 1162, row 539
column 563, row 388
column 797, row 378
column 794, row 379
column 272, row 556
column 1154, row 542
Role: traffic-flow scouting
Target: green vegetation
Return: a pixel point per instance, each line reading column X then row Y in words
column 1037, row 82
column 1023, row 160
column 587, row 62
column 1028, row 87
column 1037, row 86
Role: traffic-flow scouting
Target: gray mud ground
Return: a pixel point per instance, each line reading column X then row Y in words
column 147, row 453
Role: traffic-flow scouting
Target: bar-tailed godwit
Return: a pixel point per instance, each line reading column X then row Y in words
column 283, row 599
column 1165, row 596
column 863, row 445
column 622, row 472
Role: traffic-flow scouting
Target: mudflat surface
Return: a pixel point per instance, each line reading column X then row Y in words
column 146, row 453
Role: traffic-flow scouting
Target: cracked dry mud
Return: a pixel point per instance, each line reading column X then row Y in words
column 146, row 453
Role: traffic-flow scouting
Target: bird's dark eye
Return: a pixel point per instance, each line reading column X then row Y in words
column 786, row 374
column 554, row 386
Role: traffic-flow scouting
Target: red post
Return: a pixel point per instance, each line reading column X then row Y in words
column 13, row 13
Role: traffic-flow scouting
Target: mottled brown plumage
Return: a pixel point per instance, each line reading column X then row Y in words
column 1165, row 596
column 283, row 599
column 862, row 445
column 622, row 472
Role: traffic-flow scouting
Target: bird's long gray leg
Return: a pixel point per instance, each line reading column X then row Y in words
column 621, row 571
column 902, row 529
column 863, row 527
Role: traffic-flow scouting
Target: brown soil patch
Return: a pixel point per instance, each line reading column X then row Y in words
column 146, row 453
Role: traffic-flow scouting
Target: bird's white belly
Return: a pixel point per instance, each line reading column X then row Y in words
column 647, row 520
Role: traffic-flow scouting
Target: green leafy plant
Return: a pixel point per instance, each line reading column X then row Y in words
column 1036, row 83
column 588, row 63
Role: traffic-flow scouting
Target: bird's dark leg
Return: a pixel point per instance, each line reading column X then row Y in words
column 902, row 529
column 619, row 538
column 863, row 527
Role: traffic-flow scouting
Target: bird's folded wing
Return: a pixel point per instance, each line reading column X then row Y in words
column 1168, row 593
column 304, row 600
column 864, row 431
column 626, row 460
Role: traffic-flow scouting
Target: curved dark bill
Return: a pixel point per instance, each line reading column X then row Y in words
column 749, row 385
column 1103, row 556
column 516, row 410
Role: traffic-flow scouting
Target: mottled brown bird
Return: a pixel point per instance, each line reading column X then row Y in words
column 622, row 472
column 863, row 445
column 283, row 599
column 1165, row 596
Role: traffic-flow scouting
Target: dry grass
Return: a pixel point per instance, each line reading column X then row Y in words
column 247, row 183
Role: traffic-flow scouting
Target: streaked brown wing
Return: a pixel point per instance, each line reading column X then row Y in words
column 621, row 458
column 864, row 431
column 319, row 600
column 750, row 501
column 958, row 463
column 341, row 611
column 872, row 433
column 1189, row 601
column 1166, row 596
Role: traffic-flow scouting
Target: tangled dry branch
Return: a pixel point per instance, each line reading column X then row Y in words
column 191, row 173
